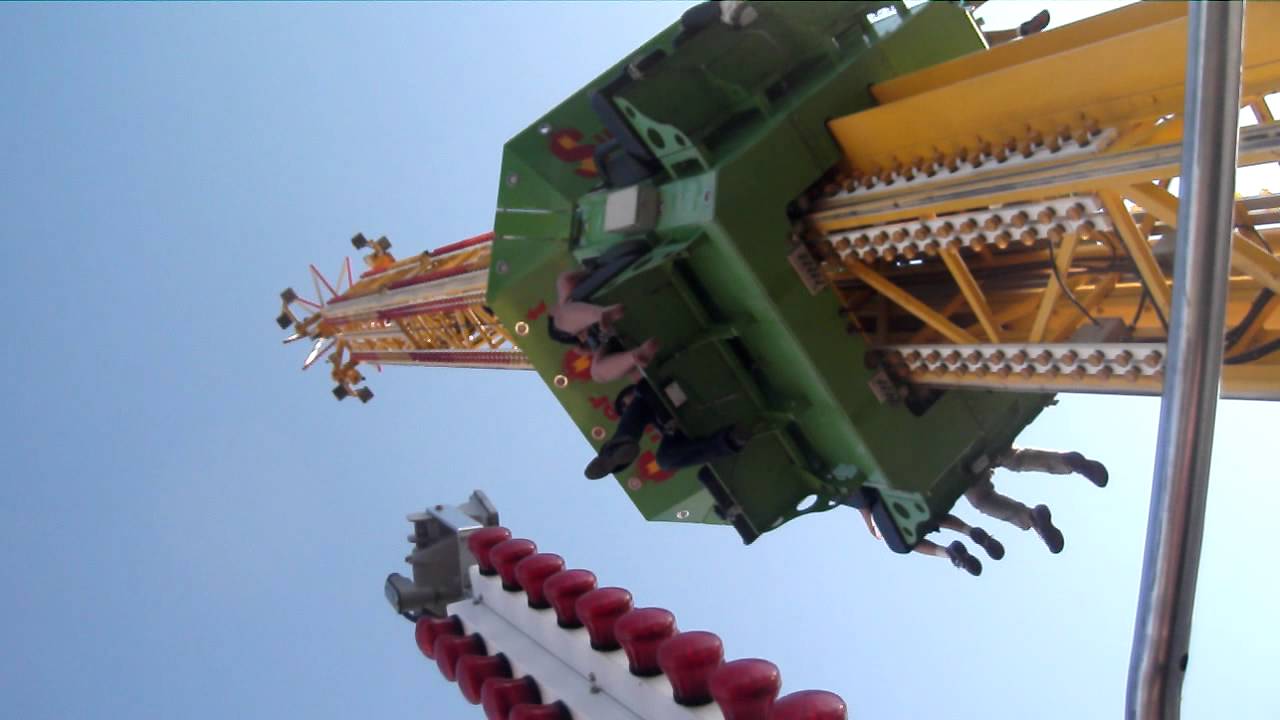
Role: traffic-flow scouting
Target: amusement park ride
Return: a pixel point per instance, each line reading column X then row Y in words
column 848, row 226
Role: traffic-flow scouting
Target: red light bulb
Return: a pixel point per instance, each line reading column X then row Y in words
column 533, row 571
column 505, row 555
column 563, row 589
column 640, row 632
column 554, row 711
column 810, row 705
column 746, row 689
column 499, row 696
column 688, row 660
column 481, row 542
column 450, row 649
column 427, row 629
column 473, row 670
column 599, row 610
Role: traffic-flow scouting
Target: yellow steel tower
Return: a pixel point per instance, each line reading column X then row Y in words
column 424, row 310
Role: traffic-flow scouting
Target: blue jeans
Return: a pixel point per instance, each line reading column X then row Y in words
column 676, row 450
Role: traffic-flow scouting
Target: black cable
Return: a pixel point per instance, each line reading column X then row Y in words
column 1146, row 291
column 1252, row 233
column 1236, row 333
column 1250, row 355
column 1053, row 265
column 1142, row 305
column 1164, row 322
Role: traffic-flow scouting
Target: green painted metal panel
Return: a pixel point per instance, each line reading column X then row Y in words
column 736, row 121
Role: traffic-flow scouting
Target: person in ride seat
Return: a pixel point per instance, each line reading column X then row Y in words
column 984, row 498
column 638, row 406
column 575, row 323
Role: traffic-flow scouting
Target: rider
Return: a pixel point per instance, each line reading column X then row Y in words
column 984, row 498
column 638, row 406
column 571, row 322
column 956, row 552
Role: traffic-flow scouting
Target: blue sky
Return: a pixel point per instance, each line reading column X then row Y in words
column 189, row 527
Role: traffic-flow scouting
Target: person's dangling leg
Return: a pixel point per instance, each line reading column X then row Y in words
column 984, row 498
column 1054, row 463
column 1037, row 23
column 646, row 352
column 999, row 37
column 574, row 317
column 623, row 447
column 680, row 451
column 956, row 552
column 993, row 547
column 566, row 282
column 607, row 367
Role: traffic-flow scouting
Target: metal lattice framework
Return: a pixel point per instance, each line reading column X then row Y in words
column 428, row 309
column 1005, row 220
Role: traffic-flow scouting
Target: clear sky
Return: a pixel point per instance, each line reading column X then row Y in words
column 192, row 528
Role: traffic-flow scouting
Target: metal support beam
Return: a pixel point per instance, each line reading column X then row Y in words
column 1139, row 250
column 1066, row 252
column 972, row 293
column 1175, row 525
column 1255, row 261
column 907, row 302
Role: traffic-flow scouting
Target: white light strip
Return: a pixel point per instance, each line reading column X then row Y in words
column 556, row 681
column 999, row 225
column 1036, row 359
column 476, row 280
column 966, row 170
column 649, row 698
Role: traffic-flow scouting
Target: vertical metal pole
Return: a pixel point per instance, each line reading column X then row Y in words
column 1175, row 526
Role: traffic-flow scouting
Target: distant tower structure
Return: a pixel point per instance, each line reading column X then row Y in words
column 428, row 309
column 527, row 639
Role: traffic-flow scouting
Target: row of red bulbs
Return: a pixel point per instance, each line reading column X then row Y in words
column 692, row 661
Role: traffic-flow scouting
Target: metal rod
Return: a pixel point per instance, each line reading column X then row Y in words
column 1175, row 526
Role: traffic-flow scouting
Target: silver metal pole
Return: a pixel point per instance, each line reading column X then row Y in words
column 1175, row 526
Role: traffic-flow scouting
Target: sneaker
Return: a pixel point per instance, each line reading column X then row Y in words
column 613, row 457
column 1042, row 522
column 961, row 558
column 1035, row 24
column 994, row 549
column 1093, row 470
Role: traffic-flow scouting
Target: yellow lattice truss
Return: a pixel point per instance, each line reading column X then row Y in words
column 428, row 309
column 1004, row 220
